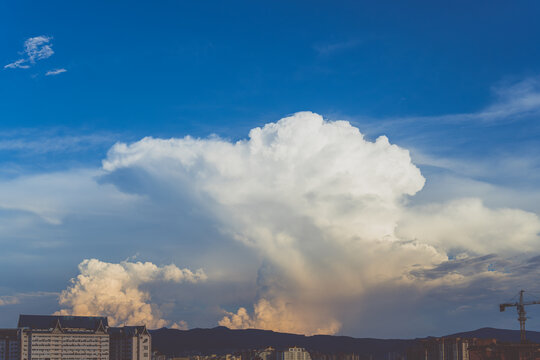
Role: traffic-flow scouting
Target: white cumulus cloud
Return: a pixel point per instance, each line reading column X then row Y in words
column 114, row 290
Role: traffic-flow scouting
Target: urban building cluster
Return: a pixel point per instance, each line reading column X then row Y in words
column 269, row 353
column 44, row 337
column 494, row 350
column 449, row 348
column 445, row 348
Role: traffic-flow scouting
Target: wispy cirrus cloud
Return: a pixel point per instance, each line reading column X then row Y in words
column 8, row 300
column 511, row 102
column 38, row 48
column 20, row 64
column 39, row 141
column 459, row 144
column 35, row 48
column 331, row 48
column 17, row 298
column 55, row 72
column 19, row 149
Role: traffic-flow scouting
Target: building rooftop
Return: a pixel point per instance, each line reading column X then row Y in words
column 128, row 330
column 8, row 333
column 47, row 322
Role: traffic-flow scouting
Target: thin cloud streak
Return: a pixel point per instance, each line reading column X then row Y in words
column 36, row 141
column 17, row 64
column 55, row 72
column 18, row 298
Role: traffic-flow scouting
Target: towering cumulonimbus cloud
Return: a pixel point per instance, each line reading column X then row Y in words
column 325, row 208
column 113, row 290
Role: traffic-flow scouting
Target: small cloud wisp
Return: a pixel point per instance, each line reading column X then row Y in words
column 55, row 72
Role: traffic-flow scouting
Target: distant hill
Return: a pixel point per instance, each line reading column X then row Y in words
column 221, row 340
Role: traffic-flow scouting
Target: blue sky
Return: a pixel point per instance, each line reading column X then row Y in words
column 456, row 84
column 176, row 68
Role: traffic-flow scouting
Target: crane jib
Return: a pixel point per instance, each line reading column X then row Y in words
column 520, row 307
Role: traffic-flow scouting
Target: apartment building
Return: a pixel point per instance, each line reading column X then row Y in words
column 9, row 344
column 46, row 337
column 130, row 343
column 50, row 337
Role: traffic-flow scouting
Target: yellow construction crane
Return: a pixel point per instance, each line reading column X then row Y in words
column 520, row 306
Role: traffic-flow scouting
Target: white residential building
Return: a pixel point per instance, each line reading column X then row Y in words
column 44, row 337
column 295, row 353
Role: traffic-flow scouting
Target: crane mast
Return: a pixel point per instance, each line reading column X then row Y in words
column 522, row 315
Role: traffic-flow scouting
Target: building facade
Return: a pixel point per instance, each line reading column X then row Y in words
column 337, row 356
column 295, row 353
column 130, row 343
column 44, row 337
column 444, row 348
column 9, row 344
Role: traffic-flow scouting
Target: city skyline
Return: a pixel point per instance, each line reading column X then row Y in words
column 369, row 170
